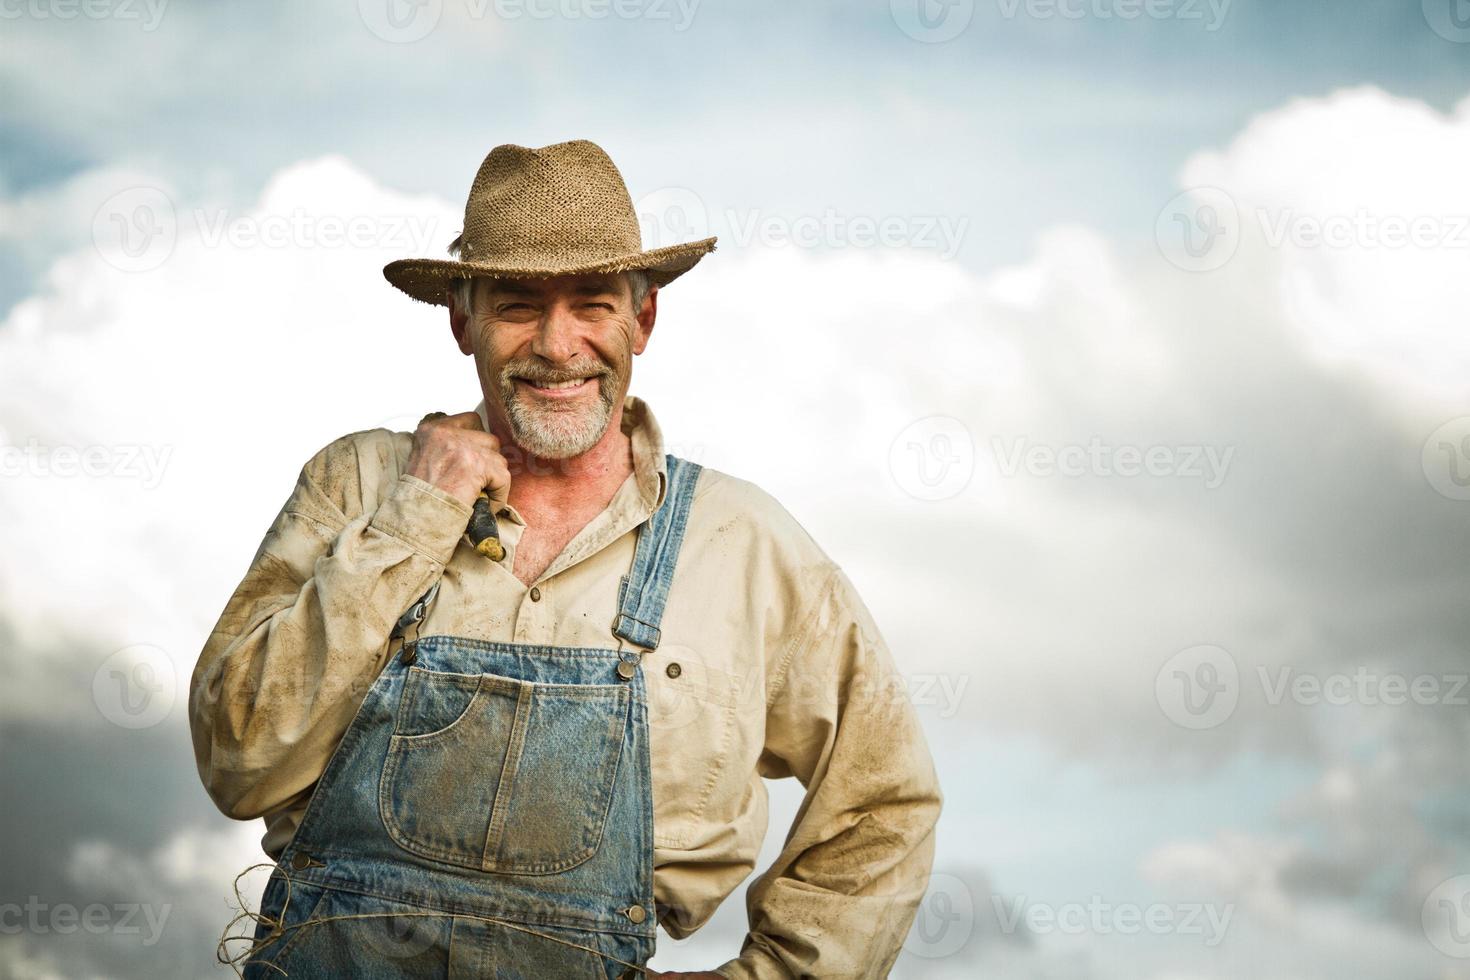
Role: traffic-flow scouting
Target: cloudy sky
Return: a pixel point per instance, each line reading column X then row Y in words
column 1139, row 324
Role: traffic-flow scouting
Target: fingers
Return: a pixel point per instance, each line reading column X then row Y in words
column 464, row 420
column 456, row 454
column 497, row 481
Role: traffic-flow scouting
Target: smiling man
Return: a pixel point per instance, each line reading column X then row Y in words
column 505, row 688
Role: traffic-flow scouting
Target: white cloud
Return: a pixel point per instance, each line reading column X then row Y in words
column 192, row 391
column 1243, row 869
column 1362, row 164
column 192, row 862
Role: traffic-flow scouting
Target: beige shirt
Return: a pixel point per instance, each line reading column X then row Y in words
column 780, row 672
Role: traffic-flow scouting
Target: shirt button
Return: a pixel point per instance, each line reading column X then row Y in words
column 535, row 594
column 636, row 914
column 300, row 861
column 673, row 670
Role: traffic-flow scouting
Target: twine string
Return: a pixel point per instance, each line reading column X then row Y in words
column 277, row 928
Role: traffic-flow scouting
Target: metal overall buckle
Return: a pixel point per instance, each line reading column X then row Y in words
column 628, row 660
column 411, row 620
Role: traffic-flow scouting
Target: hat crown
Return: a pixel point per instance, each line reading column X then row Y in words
column 566, row 199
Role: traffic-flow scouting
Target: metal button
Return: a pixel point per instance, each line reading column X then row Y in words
column 626, row 670
column 300, row 861
column 636, row 914
column 535, row 594
column 673, row 670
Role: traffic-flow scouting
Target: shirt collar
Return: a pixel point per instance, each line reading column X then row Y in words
column 650, row 468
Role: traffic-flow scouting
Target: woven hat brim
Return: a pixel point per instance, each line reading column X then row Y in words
column 427, row 280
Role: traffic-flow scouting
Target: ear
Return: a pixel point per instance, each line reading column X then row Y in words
column 459, row 325
column 646, row 316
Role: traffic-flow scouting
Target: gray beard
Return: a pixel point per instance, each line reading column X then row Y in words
column 558, row 433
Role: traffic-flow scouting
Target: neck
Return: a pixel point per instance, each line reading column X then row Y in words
column 589, row 478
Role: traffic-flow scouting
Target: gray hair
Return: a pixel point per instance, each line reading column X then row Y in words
column 463, row 290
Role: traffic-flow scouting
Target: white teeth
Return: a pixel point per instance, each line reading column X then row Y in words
column 558, row 384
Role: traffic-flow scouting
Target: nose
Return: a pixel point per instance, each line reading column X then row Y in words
column 559, row 336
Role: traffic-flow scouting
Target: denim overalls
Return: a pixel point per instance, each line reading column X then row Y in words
column 488, row 800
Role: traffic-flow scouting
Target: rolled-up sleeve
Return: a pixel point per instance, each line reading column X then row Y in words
column 839, row 899
column 305, row 633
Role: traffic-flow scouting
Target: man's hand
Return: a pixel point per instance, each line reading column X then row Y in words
column 458, row 456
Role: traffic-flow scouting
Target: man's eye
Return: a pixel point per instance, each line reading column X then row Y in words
column 600, row 307
column 515, row 307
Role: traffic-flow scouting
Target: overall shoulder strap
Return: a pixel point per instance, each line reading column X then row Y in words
column 645, row 588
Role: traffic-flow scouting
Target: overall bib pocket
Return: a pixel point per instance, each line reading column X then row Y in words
column 499, row 774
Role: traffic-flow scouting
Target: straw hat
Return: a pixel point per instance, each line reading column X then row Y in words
column 558, row 210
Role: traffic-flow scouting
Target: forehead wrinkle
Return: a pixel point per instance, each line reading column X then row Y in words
column 510, row 287
column 535, row 289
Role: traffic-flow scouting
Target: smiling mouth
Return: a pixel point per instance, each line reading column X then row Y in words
column 557, row 389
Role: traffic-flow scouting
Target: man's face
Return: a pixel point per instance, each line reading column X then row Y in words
column 555, row 355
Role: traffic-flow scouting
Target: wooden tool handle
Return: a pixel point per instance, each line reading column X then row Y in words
column 484, row 532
